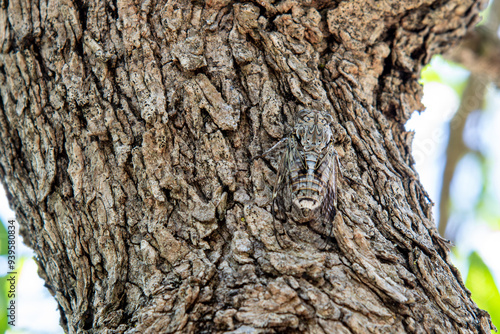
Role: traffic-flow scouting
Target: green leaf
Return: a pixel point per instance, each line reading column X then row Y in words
column 445, row 72
column 481, row 283
column 3, row 240
column 429, row 74
column 3, row 304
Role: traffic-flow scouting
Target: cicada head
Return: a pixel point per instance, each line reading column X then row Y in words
column 313, row 129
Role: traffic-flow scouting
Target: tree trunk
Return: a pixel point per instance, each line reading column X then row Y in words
column 131, row 135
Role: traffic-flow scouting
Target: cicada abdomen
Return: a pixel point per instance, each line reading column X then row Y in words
column 305, row 189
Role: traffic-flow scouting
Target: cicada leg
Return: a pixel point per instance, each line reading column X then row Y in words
column 275, row 146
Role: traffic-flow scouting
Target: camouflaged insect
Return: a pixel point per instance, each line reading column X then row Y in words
column 305, row 189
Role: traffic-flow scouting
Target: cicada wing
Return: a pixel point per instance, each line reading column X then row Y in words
column 282, row 192
column 328, row 209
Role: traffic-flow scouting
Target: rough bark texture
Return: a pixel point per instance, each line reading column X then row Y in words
column 128, row 131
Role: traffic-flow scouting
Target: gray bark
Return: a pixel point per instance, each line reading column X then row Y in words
column 128, row 135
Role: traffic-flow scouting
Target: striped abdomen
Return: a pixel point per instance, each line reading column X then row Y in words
column 309, row 184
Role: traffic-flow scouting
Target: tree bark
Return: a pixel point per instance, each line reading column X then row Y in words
column 130, row 135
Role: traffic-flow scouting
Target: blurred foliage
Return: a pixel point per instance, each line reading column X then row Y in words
column 3, row 239
column 480, row 281
column 482, row 285
column 487, row 206
column 445, row 72
column 3, row 304
column 430, row 74
column 488, row 212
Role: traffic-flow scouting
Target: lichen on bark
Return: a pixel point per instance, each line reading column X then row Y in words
column 130, row 140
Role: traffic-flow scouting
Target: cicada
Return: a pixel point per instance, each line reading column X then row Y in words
column 305, row 189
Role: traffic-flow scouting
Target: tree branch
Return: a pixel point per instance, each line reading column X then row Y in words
column 472, row 100
column 480, row 53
